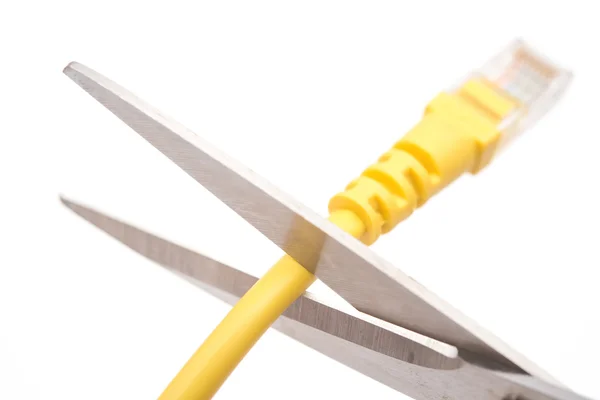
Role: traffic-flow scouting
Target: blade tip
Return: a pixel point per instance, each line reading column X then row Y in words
column 64, row 200
column 71, row 68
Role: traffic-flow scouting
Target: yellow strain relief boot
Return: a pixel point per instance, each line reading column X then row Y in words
column 460, row 132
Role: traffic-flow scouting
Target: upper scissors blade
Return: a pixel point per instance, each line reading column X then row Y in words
column 343, row 263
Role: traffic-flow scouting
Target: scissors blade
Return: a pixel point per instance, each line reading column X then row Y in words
column 348, row 324
column 407, row 362
column 343, row 263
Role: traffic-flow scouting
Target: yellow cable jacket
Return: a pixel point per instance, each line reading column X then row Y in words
column 204, row 373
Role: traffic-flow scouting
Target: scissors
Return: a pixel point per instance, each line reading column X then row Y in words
column 393, row 329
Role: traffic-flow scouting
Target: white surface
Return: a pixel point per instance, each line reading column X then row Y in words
column 307, row 94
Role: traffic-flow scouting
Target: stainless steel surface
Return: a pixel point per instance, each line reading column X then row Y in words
column 404, row 361
column 344, row 322
column 347, row 266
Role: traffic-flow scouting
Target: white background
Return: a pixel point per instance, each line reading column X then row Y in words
column 307, row 94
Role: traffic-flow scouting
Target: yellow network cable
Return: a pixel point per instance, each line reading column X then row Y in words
column 461, row 131
column 254, row 313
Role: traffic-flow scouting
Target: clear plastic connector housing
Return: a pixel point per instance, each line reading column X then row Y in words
column 532, row 81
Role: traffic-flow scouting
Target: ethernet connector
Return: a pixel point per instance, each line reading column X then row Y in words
column 461, row 131
column 529, row 83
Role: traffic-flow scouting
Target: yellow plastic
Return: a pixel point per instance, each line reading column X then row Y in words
column 485, row 96
column 459, row 133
